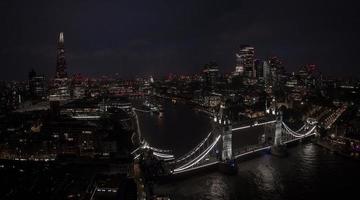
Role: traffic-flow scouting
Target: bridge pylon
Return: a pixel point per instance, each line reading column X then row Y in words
column 226, row 136
column 278, row 148
column 278, row 130
column 228, row 163
column 226, row 133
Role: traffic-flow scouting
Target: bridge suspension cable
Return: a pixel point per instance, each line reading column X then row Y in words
column 301, row 128
column 165, row 157
column 195, row 149
column 290, row 131
column 257, row 124
column 163, row 154
column 140, row 110
column 199, row 157
column 147, row 146
column 295, row 134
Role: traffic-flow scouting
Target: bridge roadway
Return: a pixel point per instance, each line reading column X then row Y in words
column 236, row 126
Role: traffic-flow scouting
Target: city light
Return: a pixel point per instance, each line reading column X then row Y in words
column 179, row 100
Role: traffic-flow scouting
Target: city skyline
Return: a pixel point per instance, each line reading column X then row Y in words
column 181, row 100
column 162, row 38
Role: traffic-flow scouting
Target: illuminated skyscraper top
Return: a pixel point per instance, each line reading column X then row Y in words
column 61, row 62
column 61, row 38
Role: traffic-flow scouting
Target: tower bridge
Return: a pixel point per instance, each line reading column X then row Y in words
column 219, row 147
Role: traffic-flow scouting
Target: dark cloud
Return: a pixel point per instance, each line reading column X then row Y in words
column 163, row 36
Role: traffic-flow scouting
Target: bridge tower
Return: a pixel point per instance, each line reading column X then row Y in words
column 228, row 164
column 137, row 132
column 278, row 149
column 278, row 130
column 226, row 134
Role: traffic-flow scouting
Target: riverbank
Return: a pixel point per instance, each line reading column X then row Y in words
column 333, row 148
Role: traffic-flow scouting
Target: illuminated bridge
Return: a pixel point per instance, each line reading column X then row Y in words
column 219, row 147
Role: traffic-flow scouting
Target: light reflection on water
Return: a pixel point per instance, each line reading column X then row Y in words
column 265, row 174
column 307, row 172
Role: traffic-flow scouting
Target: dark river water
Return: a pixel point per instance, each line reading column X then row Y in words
column 308, row 172
column 179, row 130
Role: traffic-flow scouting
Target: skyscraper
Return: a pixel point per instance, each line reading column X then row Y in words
column 37, row 85
column 210, row 74
column 259, row 68
column 60, row 87
column 61, row 62
column 245, row 62
column 276, row 70
column 266, row 73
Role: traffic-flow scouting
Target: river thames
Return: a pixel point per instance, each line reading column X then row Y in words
column 308, row 172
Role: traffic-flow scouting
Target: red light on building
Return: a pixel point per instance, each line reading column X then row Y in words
column 311, row 68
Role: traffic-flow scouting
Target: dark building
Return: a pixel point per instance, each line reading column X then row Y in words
column 259, row 66
column 309, row 75
column 210, row 75
column 276, row 70
column 37, row 85
column 245, row 61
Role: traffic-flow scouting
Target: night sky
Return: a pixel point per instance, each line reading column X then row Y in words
column 157, row 37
